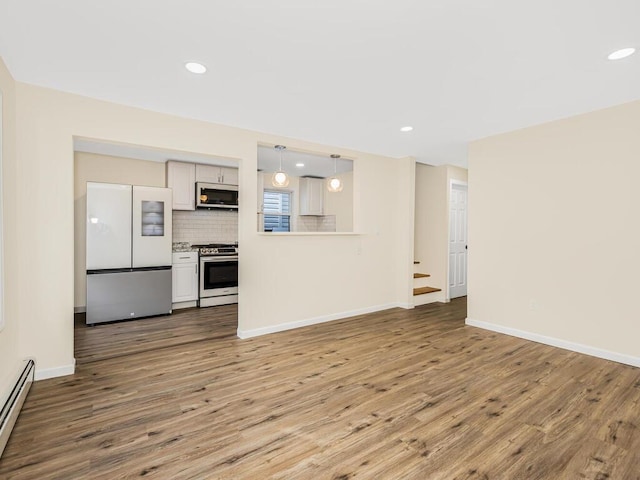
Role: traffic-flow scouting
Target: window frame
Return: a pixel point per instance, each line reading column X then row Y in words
column 280, row 214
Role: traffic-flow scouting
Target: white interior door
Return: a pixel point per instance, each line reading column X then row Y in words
column 458, row 241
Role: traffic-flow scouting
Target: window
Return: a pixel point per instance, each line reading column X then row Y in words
column 277, row 211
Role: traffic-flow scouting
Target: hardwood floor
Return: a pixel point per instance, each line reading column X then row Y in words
column 131, row 337
column 400, row 394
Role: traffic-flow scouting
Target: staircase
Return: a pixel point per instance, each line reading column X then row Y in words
column 422, row 293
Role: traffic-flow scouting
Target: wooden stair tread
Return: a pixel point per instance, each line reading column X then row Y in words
column 421, row 275
column 423, row 290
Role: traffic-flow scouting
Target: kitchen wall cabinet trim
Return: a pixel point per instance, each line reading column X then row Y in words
column 181, row 178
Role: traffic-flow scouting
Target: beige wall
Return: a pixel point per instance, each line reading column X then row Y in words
column 432, row 223
column 282, row 279
column 9, row 355
column 401, row 220
column 553, row 225
column 340, row 204
column 90, row 167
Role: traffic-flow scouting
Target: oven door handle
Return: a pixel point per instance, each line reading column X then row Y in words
column 221, row 258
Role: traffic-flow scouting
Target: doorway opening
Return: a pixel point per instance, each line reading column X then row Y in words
column 189, row 227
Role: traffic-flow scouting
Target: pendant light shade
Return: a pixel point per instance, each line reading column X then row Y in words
column 280, row 179
column 334, row 184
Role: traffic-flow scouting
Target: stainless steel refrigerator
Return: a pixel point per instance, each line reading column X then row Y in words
column 129, row 234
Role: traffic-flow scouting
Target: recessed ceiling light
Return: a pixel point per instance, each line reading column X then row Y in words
column 195, row 67
column 406, row 129
column 622, row 53
column 299, row 164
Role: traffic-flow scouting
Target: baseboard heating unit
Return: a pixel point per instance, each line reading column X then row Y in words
column 11, row 408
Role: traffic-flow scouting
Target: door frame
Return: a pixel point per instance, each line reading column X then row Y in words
column 453, row 182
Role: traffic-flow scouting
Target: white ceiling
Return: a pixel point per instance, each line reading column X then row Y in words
column 347, row 73
column 314, row 165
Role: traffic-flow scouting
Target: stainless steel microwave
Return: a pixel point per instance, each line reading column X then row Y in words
column 213, row 195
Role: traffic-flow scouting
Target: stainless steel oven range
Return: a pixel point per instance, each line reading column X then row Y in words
column 218, row 274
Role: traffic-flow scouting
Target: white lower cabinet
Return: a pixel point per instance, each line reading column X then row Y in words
column 185, row 277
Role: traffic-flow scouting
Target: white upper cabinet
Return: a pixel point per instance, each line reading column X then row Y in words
column 229, row 175
column 216, row 174
column 207, row 173
column 181, row 178
column 311, row 196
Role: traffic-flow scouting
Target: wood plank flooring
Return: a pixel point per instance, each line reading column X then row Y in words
column 400, row 394
column 131, row 337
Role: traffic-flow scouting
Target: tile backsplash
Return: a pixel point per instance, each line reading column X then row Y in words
column 205, row 226
column 323, row 223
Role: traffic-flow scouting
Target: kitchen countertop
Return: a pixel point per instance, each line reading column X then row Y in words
column 182, row 247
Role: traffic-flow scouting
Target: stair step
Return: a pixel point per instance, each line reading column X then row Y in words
column 423, row 290
column 421, row 275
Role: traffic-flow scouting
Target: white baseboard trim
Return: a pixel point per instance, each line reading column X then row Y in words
column 406, row 306
column 46, row 373
column 179, row 305
column 281, row 327
column 556, row 342
column 79, row 309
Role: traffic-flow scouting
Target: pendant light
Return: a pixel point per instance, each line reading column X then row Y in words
column 334, row 184
column 280, row 179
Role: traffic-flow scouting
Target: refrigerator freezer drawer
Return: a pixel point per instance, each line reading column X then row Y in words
column 130, row 294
